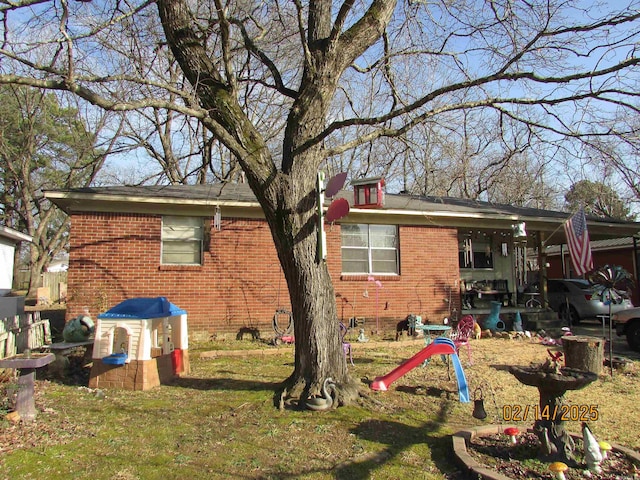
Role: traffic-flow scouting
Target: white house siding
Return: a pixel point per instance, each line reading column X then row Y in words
column 7, row 250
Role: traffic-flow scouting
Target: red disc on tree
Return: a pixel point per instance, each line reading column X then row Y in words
column 338, row 209
column 335, row 184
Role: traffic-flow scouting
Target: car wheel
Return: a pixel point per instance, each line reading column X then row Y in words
column 569, row 315
column 633, row 336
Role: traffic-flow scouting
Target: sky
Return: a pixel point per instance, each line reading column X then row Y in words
column 564, row 171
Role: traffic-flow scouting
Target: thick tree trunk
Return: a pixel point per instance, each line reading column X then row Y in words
column 319, row 353
column 35, row 271
column 318, row 345
column 287, row 195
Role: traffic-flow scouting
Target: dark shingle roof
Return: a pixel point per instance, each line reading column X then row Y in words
column 431, row 210
column 240, row 192
column 218, row 191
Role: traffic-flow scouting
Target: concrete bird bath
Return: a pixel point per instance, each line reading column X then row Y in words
column 26, row 364
column 552, row 383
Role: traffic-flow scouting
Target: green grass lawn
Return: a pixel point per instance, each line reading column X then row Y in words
column 220, row 423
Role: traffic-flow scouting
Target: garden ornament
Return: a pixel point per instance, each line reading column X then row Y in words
column 592, row 454
column 326, row 401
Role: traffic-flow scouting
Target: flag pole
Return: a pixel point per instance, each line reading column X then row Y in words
column 560, row 226
column 543, row 243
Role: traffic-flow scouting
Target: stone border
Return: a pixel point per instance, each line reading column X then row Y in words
column 461, row 438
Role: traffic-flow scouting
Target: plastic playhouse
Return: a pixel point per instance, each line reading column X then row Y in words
column 139, row 344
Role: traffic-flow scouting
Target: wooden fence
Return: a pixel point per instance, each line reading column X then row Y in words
column 53, row 283
column 56, row 282
column 21, row 280
column 23, row 331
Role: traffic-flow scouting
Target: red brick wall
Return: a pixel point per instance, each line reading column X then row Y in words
column 429, row 267
column 117, row 256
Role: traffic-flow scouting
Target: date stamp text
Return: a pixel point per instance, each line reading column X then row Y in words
column 563, row 413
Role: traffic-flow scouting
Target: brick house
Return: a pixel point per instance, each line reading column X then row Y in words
column 208, row 250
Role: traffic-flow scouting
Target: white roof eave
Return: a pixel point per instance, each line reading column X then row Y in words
column 454, row 217
column 14, row 235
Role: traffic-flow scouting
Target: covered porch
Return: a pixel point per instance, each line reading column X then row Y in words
column 505, row 259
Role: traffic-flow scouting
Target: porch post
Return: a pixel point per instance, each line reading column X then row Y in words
column 636, row 278
column 542, row 268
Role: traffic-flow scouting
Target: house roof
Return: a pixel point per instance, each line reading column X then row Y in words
column 238, row 200
column 14, row 235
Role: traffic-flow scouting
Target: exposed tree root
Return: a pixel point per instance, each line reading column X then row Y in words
column 291, row 394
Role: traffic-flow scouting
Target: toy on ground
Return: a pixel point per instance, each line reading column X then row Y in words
column 139, row 344
column 517, row 322
column 346, row 345
column 362, row 337
column 440, row 346
column 283, row 335
column 79, row 329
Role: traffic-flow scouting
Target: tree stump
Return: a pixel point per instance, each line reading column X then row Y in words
column 584, row 353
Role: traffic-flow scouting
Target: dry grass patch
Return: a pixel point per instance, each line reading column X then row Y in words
column 220, row 421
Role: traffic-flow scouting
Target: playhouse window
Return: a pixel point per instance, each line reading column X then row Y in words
column 182, row 240
column 369, row 249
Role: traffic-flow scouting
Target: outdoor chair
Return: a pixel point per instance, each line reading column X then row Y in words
column 462, row 335
column 346, row 346
column 502, row 286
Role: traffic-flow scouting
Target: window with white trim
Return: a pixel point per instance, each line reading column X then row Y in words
column 370, row 249
column 475, row 255
column 182, row 240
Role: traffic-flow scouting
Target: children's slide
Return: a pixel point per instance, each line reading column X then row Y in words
column 440, row 346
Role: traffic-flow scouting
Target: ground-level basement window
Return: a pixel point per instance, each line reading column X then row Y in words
column 182, row 240
column 369, row 249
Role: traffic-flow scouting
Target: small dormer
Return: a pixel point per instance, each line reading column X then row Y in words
column 368, row 192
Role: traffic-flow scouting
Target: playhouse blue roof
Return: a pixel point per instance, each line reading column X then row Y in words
column 143, row 308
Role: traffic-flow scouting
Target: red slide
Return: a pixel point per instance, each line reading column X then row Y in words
column 382, row 383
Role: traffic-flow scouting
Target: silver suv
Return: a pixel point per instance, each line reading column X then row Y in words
column 576, row 299
column 627, row 323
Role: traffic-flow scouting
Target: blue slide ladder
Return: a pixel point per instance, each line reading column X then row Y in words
column 463, row 388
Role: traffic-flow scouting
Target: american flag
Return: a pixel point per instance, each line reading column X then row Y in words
column 578, row 242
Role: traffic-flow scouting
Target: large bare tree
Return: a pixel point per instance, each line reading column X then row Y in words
column 615, row 159
column 44, row 144
column 291, row 87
